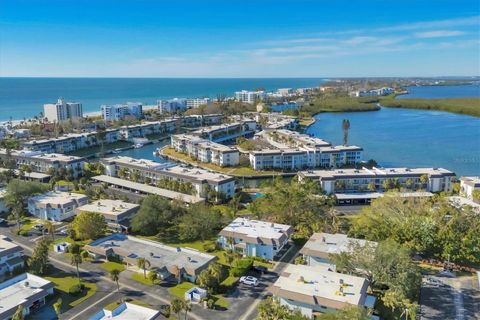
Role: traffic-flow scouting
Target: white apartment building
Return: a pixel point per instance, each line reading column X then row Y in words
column 44, row 162
column 148, row 128
column 27, row 290
column 254, row 238
column 320, row 246
column 385, row 91
column 316, row 289
column 375, row 179
column 172, row 105
column 56, row 206
column 197, row 102
column 196, row 120
column 117, row 213
column 118, row 112
column 61, row 111
column 11, row 255
column 228, row 132
column 249, row 96
column 468, row 185
column 206, row 151
column 201, row 180
column 127, row 311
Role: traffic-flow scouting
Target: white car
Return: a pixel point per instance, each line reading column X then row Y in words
column 248, row 280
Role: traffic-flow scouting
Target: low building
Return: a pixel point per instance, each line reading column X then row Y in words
column 381, row 179
column 119, row 112
column 38, row 161
column 206, row 151
column 228, row 132
column 320, row 246
column 127, row 311
column 117, row 213
column 199, row 180
column 11, row 256
column 61, row 111
column 315, row 289
column 164, row 260
column 56, row 206
column 26, row 290
column 468, row 185
column 253, row 238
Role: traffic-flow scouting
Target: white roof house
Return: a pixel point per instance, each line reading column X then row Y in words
column 55, row 205
column 323, row 244
column 25, row 289
column 127, row 311
column 255, row 231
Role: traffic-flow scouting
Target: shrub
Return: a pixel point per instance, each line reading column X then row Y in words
column 84, row 254
column 209, row 247
column 210, row 303
column 166, row 311
column 240, row 267
column 23, row 233
column 75, row 289
column 114, row 258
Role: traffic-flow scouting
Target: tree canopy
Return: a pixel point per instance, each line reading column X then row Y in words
column 89, row 225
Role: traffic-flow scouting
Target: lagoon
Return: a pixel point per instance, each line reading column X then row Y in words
column 408, row 137
column 440, row 92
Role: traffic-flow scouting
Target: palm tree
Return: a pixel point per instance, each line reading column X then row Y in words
column 176, row 306
column 115, row 276
column 186, row 307
column 143, row 264
column 50, row 228
column 75, row 261
column 345, row 128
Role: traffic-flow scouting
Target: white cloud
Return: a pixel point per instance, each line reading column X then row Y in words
column 438, row 34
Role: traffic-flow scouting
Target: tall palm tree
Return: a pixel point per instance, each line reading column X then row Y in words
column 115, row 276
column 75, row 261
column 143, row 264
column 345, row 128
column 186, row 307
column 176, row 306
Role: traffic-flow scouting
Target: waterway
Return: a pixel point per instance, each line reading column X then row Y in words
column 438, row 92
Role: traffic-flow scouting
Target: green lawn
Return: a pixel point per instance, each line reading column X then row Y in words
column 267, row 265
column 229, row 281
column 137, row 276
column 110, row 265
column 179, row 290
column 63, row 282
column 221, row 302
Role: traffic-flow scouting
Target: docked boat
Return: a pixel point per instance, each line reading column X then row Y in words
column 137, row 145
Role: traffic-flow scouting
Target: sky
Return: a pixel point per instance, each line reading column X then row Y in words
column 230, row 38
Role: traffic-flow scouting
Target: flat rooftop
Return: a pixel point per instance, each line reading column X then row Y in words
column 323, row 244
column 160, row 256
column 471, row 181
column 127, row 311
column 316, row 285
column 7, row 246
column 145, row 188
column 57, row 198
column 108, row 206
column 255, row 231
column 375, row 195
column 42, row 156
column 24, row 288
column 375, row 172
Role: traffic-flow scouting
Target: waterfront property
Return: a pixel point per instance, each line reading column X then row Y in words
column 193, row 181
column 11, row 256
column 148, row 128
column 117, row 213
column 27, row 290
column 228, row 132
column 468, row 185
column 254, row 238
column 56, row 206
column 61, row 111
column 197, row 102
column 116, row 112
column 385, row 91
column 127, row 311
column 316, row 289
column 381, row 179
column 317, row 250
column 204, row 150
column 366, row 198
column 38, row 161
column 276, row 121
column 250, row 96
column 172, row 105
column 167, row 261
column 197, row 120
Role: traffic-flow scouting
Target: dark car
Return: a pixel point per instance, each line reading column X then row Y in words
column 260, row 269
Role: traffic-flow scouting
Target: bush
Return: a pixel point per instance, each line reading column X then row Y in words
column 84, row 254
column 23, row 233
column 114, row 258
column 209, row 247
column 210, row 303
column 166, row 311
column 75, row 289
column 240, row 267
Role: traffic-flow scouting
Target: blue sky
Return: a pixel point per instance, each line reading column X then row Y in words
column 263, row 38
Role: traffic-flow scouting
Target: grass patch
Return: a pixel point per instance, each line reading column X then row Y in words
column 110, row 265
column 63, row 282
column 267, row 265
column 230, row 281
column 220, row 302
column 338, row 104
column 137, row 276
column 179, row 290
column 306, row 121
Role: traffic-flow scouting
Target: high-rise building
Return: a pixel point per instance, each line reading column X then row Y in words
column 249, row 96
column 118, row 112
column 61, row 111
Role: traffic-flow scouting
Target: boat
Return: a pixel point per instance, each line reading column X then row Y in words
column 156, row 153
column 137, row 145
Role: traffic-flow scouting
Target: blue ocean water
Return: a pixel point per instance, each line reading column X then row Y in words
column 438, row 92
column 24, row 97
column 407, row 137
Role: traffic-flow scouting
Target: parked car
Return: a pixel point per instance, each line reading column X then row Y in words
column 260, row 269
column 249, row 280
column 39, row 227
column 2, row 221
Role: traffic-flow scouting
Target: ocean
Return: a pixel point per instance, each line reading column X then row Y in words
column 24, row 97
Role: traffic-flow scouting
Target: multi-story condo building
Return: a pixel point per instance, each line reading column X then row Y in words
column 56, row 206
column 373, row 93
column 172, row 105
column 118, row 112
column 202, row 181
column 164, row 260
column 61, row 111
column 381, row 179
column 317, row 289
column 320, row 246
column 253, row 238
column 228, row 132
column 26, row 290
column 148, row 128
column 276, row 121
column 38, row 161
column 11, row 256
column 249, row 96
column 202, row 120
column 197, row 102
column 468, row 185
column 117, row 213
column 205, row 151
